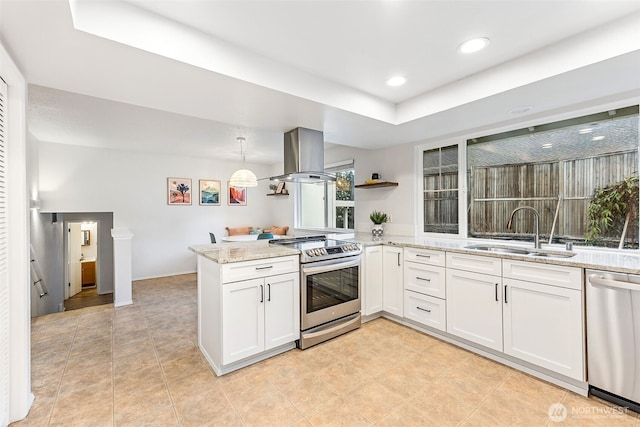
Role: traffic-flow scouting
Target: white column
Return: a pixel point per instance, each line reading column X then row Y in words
column 121, row 266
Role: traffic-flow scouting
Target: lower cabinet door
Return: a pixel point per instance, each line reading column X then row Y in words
column 242, row 319
column 282, row 310
column 543, row 325
column 372, row 281
column 392, row 283
column 424, row 309
column 474, row 307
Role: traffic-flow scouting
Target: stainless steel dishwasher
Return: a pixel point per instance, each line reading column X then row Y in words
column 613, row 337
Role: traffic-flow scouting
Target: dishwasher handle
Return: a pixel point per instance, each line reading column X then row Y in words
column 597, row 280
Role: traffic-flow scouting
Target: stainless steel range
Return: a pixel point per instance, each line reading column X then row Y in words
column 330, row 287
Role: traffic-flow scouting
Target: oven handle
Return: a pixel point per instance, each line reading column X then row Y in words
column 330, row 266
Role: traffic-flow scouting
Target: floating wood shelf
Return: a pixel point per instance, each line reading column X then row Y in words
column 378, row 184
column 277, row 194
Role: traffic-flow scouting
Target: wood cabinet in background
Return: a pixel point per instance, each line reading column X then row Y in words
column 88, row 273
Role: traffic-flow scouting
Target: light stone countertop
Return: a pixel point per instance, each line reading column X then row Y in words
column 606, row 260
column 224, row 253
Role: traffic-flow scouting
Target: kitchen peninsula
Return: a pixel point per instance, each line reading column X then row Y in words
column 248, row 302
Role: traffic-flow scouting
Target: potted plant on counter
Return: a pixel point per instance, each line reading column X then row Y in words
column 378, row 218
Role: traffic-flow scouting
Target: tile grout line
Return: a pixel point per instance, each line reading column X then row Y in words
column 64, row 371
column 113, row 366
column 164, row 376
column 484, row 399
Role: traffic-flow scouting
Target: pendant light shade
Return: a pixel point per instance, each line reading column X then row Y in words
column 243, row 177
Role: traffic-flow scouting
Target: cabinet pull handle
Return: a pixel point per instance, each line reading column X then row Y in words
column 423, row 256
column 496, row 292
column 261, row 293
column 398, row 259
column 423, row 278
column 423, row 309
column 505, row 294
column 268, row 292
column 264, row 268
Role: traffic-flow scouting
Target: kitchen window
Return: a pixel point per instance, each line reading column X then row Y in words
column 440, row 184
column 328, row 205
column 555, row 168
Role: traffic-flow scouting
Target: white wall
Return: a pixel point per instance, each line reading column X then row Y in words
column 133, row 186
column 392, row 164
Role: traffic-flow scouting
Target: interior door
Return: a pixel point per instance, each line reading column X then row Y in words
column 74, row 252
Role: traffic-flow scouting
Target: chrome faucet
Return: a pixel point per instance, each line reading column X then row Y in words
column 536, row 215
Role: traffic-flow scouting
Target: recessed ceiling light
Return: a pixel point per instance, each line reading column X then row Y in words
column 396, row 81
column 521, row 110
column 547, row 145
column 585, row 131
column 597, row 138
column 473, row 45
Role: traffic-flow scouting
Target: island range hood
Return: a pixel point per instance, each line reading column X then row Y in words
column 304, row 157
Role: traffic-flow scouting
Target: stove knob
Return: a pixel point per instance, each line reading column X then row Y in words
column 316, row 251
column 323, row 251
column 309, row 252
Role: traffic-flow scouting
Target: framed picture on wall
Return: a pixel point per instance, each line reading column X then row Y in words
column 237, row 195
column 179, row 191
column 209, row 192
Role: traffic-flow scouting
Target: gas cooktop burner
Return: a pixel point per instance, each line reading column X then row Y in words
column 319, row 248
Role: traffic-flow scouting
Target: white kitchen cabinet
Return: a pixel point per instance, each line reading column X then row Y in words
column 538, row 320
column 282, row 310
column 243, row 321
column 425, row 309
column 425, row 287
column 543, row 324
column 372, row 280
column 425, row 279
column 474, row 307
column 424, row 256
column 475, row 263
column 259, row 314
column 392, row 282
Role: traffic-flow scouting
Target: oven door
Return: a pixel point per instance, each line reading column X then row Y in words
column 329, row 290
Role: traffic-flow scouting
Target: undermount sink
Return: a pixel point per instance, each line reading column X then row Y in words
column 521, row 251
column 557, row 254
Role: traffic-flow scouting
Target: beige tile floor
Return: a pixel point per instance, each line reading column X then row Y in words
column 139, row 365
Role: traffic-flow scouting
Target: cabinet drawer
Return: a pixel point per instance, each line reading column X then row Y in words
column 475, row 263
column 236, row 271
column 556, row 275
column 424, row 256
column 425, row 279
column 426, row 310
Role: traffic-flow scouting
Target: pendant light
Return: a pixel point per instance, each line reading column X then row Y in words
column 243, row 177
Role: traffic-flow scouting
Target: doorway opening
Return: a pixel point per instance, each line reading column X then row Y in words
column 82, row 285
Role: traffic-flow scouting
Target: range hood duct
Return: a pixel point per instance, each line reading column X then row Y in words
column 304, row 157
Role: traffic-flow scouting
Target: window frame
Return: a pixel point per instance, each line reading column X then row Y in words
column 327, row 205
column 461, row 141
